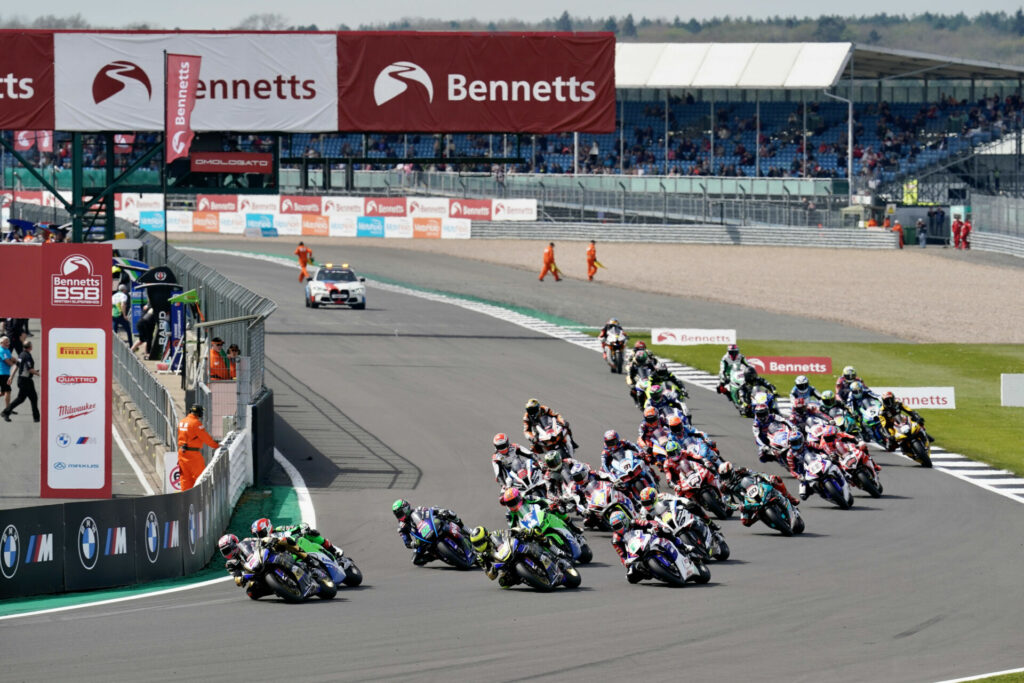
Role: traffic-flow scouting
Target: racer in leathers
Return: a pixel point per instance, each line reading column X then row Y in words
column 802, row 388
column 653, row 504
column 731, row 359
column 508, row 458
column 640, row 365
column 730, row 477
column 891, row 409
column 801, row 410
column 531, row 418
column 616, row 449
column 647, row 432
column 679, row 429
column 484, row 543
column 858, row 396
column 612, row 324
column 826, row 439
column 829, row 401
column 668, row 380
column 304, row 531
column 513, row 501
column 752, row 382
column 764, row 419
column 403, row 511
column 660, row 400
column 748, row 511
column 237, row 552
column 844, row 381
column 795, row 460
column 621, row 526
column 556, row 473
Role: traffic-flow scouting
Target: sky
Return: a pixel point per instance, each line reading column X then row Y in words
column 328, row 14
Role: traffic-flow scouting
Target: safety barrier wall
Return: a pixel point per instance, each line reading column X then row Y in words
column 105, row 543
column 850, row 238
column 1003, row 244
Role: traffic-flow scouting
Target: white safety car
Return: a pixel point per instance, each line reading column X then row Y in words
column 337, row 285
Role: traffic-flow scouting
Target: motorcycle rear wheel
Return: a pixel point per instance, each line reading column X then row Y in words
column 284, row 589
column 534, row 580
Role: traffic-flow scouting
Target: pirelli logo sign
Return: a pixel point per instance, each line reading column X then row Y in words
column 77, row 351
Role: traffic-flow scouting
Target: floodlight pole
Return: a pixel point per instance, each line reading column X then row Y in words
column 163, row 176
column 849, row 144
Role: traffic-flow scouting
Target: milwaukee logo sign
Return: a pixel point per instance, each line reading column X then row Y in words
column 66, row 412
column 76, row 285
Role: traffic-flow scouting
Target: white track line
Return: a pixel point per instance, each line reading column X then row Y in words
column 689, row 374
column 131, row 461
column 980, row 676
column 111, row 601
column 299, row 484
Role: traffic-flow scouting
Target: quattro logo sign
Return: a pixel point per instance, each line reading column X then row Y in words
column 76, row 284
column 79, row 351
column 791, row 365
column 76, row 379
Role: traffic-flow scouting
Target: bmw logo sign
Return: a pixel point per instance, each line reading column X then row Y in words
column 193, row 530
column 10, row 547
column 88, row 543
column 63, row 440
column 152, row 533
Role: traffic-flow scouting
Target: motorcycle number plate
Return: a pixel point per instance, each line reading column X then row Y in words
column 693, row 480
column 753, row 492
column 850, row 461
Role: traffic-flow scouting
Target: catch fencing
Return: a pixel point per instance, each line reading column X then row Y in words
column 152, row 398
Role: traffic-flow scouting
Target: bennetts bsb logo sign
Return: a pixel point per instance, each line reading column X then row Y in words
column 77, row 283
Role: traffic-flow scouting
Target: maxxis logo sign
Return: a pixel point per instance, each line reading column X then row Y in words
column 393, row 80
column 77, row 284
column 113, row 77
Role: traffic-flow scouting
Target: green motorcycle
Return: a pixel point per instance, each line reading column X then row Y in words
column 556, row 529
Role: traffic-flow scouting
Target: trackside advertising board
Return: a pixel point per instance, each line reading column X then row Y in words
column 436, row 82
column 691, row 336
column 791, row 365
column 927, row 398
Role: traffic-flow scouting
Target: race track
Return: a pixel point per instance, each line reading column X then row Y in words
column 402, row 400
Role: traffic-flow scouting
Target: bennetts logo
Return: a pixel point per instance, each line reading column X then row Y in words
column 113, row 77
column 393, row 80
column 76, row 284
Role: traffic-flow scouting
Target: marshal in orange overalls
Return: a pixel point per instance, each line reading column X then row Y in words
column 549, row 263
column 591, row 260
column 191, row 438
column 305, row 255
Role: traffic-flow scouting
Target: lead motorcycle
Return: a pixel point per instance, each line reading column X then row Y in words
column 653, row 557
column 445, row 540
column 275, row 569
column 615, row 349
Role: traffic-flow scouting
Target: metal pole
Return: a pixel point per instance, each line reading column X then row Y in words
column 76, row 187
column 163, row 176
column 849, row 144
column 622, row 137
column 108, row 231
column 803, row 100
column 757, row 136
column 711, row 162
column 575, row 153
column 665, row 167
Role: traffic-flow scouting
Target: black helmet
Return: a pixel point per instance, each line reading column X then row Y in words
column 196, row 410
column 750, row 374
column 553, row 461
column 532, row 406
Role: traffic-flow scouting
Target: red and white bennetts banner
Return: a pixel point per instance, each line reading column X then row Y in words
column 26, row 80
column 691, row 336
column 791, row 365
column 930, row 398
column 180, row 94
column 250, row 81
column 440, row 82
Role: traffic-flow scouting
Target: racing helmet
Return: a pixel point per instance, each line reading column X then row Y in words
column 725, row 469
column 661, row 367
column 889, row 399
column 532, row 406
column 648, row 497
column 734, row 351
column 262, row 528
column 829, row 433
column 857, row 389
column 657, row 392
column 650, row 414
column 641, row 356
column 228, row 545
column 579, row 473
column 640, row 345
column 761, row 411
column 611, row 438
column 796, row 440
column 750, row 374
column 478, row 537
column 618, row 521
column 613, row 322
column 802, row 382
column 401, row 508
column 501, row 444
column 553, row 461
column 672, row 449
column 512, row 499
column 799, row 406
column 675, row 423
column 828, row 398
column 849, row 372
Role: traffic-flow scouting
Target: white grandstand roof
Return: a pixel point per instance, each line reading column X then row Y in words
column 785, row 66
column 730, row 65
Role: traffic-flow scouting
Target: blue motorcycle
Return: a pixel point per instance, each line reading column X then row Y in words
column 445, row 540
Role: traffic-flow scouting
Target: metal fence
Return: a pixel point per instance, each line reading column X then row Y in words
column 998, row 214
column 152, row 398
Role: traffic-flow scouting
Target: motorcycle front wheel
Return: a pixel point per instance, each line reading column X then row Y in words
column 534, row 579
column 920, row 453
column 286, row 589
column 669, row 575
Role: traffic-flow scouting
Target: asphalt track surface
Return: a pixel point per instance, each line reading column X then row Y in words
column 922, row 584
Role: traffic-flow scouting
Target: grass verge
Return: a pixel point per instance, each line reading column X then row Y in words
column 979, row 426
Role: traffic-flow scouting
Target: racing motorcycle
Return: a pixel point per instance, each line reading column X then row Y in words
column 693, row 531
column 534, row 564
column 844, row 421
column 773, row 509
column 445, row 539
column 870, row 412
column 737, row 378
column 638, row 390
column 340, row 566
column 857, row 465
column 652, row 557
column 700, row 484
column 824, row 477
column 529, row 480
column 698, row 447
column 549, row 435
column 633, row 475
column 615, row 349
column 602, row 500
column 284, row 574
column 561, row 538
column 912, row 440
